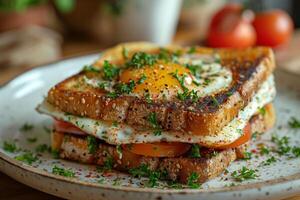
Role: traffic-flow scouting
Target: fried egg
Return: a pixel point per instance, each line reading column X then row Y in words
column 124, row 134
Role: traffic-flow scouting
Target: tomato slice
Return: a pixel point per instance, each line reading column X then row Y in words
column 66, row 127
column 159, row 149
column 242, row 140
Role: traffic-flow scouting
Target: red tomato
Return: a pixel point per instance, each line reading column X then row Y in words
column 66, row 127
column 231, row 28
column 273, row 28
column 242, row 140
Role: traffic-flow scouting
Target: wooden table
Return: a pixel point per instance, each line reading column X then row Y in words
column 11, row 189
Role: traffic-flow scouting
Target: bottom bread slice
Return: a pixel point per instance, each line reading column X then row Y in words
column 211, row 163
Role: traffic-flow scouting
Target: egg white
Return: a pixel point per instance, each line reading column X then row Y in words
column 124, row 134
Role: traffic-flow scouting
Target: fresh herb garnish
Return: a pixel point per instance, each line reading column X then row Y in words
column 103, row 85
column 244, row 174
column 90, row 68
column 55, row 153
column 108, row 164
column 32, row 140
column 269, row 161
column 141, row 59
column 142, row 79
column 26, row 127
column 154, row 122
column 27, row 157
column 195, row 151
column 148, row 97
column 192, row 50
column 125, row 53
column 215, row 101
column 62, row 172
column 282, row 144
column 119, row 151
column 126, row 88
column 247, row 155
column 144, row 171
column 42, row 148
column 296, row 151
column 92, row 144
column 10, row 147
column 294, row 123
column 264, row 150
column 192, row 181
column 186, row 94
column 262, row 111
column 167, row 56
column 110, row 71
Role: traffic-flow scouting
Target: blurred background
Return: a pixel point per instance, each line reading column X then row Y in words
column 35, row 32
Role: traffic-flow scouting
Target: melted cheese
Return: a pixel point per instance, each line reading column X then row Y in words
column 124, row 134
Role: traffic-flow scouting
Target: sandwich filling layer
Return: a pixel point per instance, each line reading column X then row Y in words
column 123, row 134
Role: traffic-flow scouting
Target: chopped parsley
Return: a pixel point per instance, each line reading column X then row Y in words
column 10, row 147
column 262, row 111
column 32, row 140
column 195, row 151
column 103, row 85
column 125, row 53
column 62, row 172
column 27, row 157
column 119, row 151
column 122, row 88
column 42, row 148
column 140, row 59
column 186, row 94
column 154, row 122
column 296, row 151
column 26, row 127
column 167, row 56
column 247, row 155
column 107, row 164
column 244, row 174
column 90, row 68
column 264, row 150
column 148, row 97
column 215, row 101
column 92, row 144
column 144, row 171
column 55, row 153
column 192, row 50
column 110, row 71
column 269, row 161
column 282, row 144
column 142, row 79
column 294, row 123
column 192, row 180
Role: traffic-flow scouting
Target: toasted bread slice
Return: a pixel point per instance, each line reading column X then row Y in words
column 208, row 115
column 75, row 148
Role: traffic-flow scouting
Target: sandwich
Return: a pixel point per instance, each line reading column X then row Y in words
column 181, row 114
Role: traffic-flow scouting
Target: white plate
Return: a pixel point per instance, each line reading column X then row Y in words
column 19, row 98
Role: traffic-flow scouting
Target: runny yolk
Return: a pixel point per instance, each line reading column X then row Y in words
column 159, row 78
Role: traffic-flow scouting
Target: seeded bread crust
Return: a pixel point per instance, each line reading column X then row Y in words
column 75, row 148
column 250, row 68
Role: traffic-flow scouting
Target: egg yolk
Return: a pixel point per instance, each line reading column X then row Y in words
column 159, row 78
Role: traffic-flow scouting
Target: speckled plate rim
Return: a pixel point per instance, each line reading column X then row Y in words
column 15, row 163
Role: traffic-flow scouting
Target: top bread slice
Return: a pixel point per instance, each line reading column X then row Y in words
column 249, row 67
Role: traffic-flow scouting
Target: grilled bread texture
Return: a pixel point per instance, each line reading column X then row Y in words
column 211, row 163
column 208, row 115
